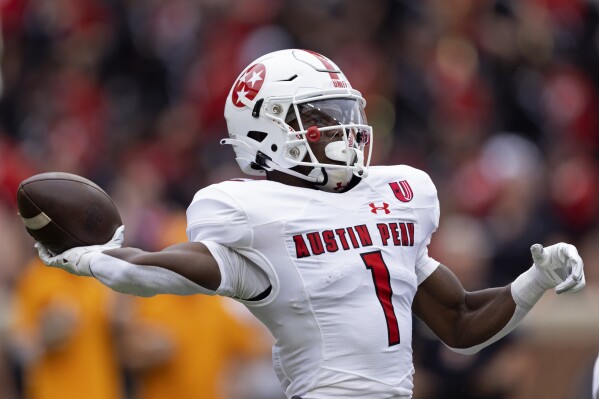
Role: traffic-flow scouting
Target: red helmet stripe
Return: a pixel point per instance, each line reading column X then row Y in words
column 327, row 64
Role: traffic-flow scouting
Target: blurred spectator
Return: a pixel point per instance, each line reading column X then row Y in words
column 595, row 385
column 63, row 336
column 190, row 347
column 7, row 368
column 16, row 249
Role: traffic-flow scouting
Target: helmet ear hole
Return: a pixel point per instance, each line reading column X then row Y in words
column 274, row 148
column 258, row 136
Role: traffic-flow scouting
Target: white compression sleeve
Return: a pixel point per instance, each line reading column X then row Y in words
column 145, row 281
column 526, row 290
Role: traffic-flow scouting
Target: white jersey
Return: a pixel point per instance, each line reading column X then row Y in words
column 344, row 269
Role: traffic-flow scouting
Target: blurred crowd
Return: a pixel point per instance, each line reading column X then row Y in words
column 497, row 100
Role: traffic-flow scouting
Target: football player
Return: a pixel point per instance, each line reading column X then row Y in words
column 329, row 253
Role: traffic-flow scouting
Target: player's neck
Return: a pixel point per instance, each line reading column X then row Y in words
column 289, row 180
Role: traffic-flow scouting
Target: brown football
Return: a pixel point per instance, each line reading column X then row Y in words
column 63, row 210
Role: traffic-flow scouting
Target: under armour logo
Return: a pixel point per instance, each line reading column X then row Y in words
column 376, row 209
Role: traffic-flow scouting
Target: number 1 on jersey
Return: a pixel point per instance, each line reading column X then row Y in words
column 382, row 284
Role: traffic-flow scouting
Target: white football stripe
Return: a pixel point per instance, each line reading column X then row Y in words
column 36, row 222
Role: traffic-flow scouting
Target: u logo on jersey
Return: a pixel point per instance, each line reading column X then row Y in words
column 402, row 190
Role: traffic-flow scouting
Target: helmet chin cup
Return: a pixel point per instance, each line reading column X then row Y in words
column 338, row 151
column 336, row 179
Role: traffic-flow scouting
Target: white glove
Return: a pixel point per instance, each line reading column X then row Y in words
column 77, row 260
column 559, row 266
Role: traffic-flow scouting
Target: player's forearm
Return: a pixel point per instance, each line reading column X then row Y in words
column 461, row 319
column 142, row 280
column 190, row 260
column 496, row 315
column 486, row 313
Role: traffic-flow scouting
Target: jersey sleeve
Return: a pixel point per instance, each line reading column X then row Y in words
column 240, row 277
column 213, row 215
column 425, row 265
column 428, row 216
column 218, row 221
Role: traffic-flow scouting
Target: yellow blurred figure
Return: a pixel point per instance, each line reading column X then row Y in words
column 63, row 333
column 184, row 347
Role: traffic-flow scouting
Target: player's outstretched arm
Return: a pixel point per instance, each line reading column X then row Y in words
column 185, row 268
column 469, row 321
column 191, row 260
column 459, row 318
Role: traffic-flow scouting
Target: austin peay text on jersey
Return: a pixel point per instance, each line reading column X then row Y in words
column 345, row 238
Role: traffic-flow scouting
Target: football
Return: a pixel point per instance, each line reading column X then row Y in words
column 63, row 210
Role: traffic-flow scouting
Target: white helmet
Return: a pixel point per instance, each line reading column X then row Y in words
column 308, row 91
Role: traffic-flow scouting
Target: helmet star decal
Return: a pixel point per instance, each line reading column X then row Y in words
column 255, row 77
column 248, row 85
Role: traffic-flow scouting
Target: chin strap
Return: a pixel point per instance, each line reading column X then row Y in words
column 361, row 169
column 237, row 143
column 317, row 175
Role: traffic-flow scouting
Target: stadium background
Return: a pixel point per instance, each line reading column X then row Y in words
column 497, row 100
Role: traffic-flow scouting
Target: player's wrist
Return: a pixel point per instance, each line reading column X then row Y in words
column 85, row 261
column 528, row 288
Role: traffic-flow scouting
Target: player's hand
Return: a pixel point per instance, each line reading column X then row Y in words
column 560, row 266
column 76, row 260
